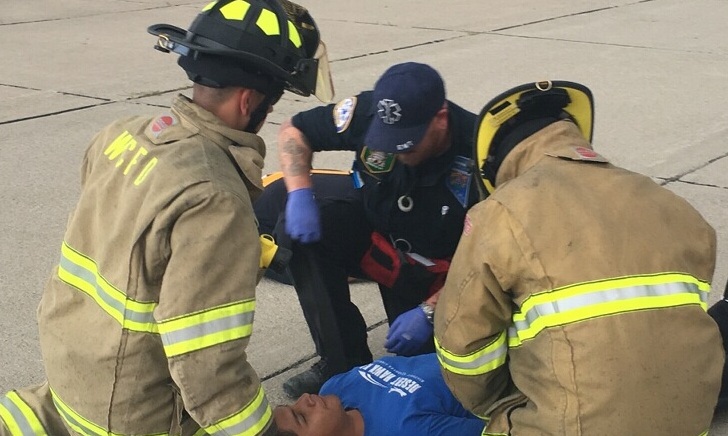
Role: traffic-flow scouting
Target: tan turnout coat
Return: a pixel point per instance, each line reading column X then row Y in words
column 575, row 304
column 145, row 321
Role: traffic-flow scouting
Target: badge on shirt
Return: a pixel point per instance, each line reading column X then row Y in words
column 377, row 161
column 458, row 181
column 343, row 113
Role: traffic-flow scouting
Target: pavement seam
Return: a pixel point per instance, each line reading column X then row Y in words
column 678, row 177
column 97, row 14
column 309, row 357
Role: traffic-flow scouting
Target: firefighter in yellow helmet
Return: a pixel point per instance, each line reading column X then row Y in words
column 145, row 320
column 575, row 302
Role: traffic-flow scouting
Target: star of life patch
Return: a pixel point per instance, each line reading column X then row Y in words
column 458, row 181
column 377, row 161
column 343, row 113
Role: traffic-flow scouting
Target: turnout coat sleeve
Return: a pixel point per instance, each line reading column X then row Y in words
column 475, row 309
column 211, row 274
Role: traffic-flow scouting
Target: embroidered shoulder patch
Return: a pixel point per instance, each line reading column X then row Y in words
column 580, row 153
column 162, row 123
column 377, row 161
column 468, row 225
column 343, row 113
column 458, row 182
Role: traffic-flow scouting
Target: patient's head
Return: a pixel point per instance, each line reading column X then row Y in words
column 314, row 415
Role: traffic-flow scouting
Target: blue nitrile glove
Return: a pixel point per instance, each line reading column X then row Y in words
column 303, row 221
column 408, row 333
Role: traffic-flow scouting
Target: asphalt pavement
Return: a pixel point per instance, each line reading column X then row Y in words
column 658, row 70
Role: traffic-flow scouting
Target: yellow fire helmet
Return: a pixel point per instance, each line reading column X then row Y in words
column 520, row 112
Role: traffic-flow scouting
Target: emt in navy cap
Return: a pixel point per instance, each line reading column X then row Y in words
column 398, row 224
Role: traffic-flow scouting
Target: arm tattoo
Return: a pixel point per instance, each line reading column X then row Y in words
column 297, row 164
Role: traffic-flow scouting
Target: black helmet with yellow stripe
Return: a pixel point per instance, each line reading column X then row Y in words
column 266, row 45
column 518, row 113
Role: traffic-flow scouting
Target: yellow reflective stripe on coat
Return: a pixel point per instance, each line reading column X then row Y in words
column 82, row 425
column 82, row 273
column 584, row 301
column 484, row 360
column 204, row 329
column 18, row 417
column 248, row 422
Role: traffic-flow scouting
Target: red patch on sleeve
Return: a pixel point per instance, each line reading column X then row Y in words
column 468, row 226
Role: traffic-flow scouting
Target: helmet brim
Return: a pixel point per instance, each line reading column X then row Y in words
column 505, row 106
column 175, row 39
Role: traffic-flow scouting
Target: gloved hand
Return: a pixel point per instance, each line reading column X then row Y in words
column 303, row 221
column 408, row 333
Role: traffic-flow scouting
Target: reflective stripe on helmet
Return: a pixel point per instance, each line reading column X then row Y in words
column 82, row 273
column 204, row 329
column 268, row 23
column 235, row 10
column 18, row 417
column 267, row 20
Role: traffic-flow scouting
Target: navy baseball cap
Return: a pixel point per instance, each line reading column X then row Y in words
column 405, row 100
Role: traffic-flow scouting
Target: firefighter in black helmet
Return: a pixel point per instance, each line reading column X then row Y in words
column 266, row 45
column 144, row 324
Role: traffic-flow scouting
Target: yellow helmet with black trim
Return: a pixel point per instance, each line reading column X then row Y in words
column 267, row 45
column 521, row 111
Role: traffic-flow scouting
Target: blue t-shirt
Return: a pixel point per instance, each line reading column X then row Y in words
column 403, row 396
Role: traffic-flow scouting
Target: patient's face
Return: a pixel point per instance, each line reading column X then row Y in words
column 314, row 415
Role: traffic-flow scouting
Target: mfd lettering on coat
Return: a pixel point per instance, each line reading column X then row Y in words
column 132, row 158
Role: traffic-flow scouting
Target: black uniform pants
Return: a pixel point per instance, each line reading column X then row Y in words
column 321, row 271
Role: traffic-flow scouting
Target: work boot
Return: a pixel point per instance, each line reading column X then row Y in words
column 307, row 382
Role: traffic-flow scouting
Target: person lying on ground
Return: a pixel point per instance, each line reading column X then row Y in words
column 393, row 395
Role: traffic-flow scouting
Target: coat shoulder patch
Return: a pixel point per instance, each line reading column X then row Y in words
column 580, row 153
column 343, row 113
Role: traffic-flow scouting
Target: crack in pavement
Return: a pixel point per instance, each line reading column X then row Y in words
column 103, row 101
column 678, row 177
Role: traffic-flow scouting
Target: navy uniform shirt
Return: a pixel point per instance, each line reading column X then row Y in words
column 439, row 191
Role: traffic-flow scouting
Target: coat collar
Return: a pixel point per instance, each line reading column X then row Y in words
column 561, row 139
column 246, row 149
